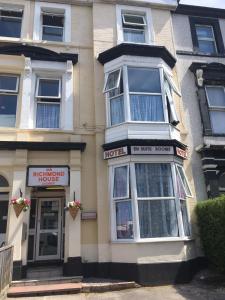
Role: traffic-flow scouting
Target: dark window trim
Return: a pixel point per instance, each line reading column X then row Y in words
column 213, row 74
column 217, row 33
column 42, row 146
column 201, row 11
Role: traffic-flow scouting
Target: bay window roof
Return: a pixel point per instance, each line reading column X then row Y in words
column 137, row 50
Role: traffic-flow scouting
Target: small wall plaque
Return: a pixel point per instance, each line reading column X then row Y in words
column 88, row 215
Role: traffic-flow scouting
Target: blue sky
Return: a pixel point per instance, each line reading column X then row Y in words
column 210, row 3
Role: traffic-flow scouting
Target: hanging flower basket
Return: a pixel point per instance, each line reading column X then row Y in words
column 74, row 207
column 20, row 204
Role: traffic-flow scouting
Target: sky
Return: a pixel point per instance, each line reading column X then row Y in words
column 210, row 3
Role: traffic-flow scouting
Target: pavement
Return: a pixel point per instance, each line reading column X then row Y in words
column 177, row 292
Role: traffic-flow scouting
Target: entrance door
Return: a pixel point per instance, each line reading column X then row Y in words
column 48, row 229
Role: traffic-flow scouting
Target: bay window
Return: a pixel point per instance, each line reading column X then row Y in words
column 140, row 94
column 157, row 192
column 48, row 98
column 9, row 86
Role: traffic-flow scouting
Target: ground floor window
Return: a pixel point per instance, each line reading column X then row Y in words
column 148, row 200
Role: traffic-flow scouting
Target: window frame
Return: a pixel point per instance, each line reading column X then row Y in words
column 135, row 11
column 214, row 108
column 163, row 72
column 38, row 78
column 7, row 8
column 12, row 92
column 214, row 23
column 49, row 26
column 52, row 8
column 131, row 161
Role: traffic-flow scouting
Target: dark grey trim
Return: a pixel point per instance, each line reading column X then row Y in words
column 73, row 267
column 37, row 53
column 136, row 142
column 217, row 32
column 200, row 11
column 137, row 50
column 204, row 111
column 147, row 274
column 42, row 146
column 17, row 270
column 192, row 53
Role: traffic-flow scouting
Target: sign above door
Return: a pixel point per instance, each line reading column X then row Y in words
column 48, row 176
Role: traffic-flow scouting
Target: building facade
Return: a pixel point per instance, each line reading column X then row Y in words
column 199, row 38
column 91, row 109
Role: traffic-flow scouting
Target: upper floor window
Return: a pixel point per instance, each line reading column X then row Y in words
column 216, row 102
column 52, row 27
column 9, row 85
column 134, row 27
column 52, row 22
column 10, row 22
column 48, row 98
column 140, row 94
column 206, row 36
column 133, row 24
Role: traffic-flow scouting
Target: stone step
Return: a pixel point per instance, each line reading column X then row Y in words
column 44, row 290
column 48, row 280
column 96, row 286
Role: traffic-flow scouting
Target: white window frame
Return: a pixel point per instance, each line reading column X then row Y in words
column 213, row 39
column 105, row 90
column 186, row 180
column 38, row 78
column 212, row 107
column 48, row 70
column 16, row 8
column 52, row 8
column 131, row 161
column 123, row 63
column 135, row 11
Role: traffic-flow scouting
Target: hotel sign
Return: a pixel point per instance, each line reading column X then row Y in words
column 48, row 176
column 182, row 153
column 115, row 152
column 152, row 150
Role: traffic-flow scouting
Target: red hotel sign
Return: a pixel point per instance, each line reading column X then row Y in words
column 182, row 153
column 48, row 176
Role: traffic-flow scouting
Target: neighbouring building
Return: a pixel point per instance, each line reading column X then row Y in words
column 91, row 109
column 199, row 38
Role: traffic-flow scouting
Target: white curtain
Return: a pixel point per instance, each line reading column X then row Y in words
column 117, row 110
column 47, row 115
column 120, row 182
column 157, row 218
column 146, row 108
column 154, row 180
column 135, row 36
column 124, row 222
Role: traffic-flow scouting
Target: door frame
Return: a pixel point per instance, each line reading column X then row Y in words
column 59, row 230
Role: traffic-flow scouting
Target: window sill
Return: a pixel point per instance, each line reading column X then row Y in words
column 155, row 240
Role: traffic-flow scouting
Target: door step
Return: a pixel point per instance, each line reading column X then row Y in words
column 44, row 272
column 44, row 281
column 62, row 288
column 44, row 290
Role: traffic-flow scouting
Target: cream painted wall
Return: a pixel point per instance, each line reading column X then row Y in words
column 94, row 31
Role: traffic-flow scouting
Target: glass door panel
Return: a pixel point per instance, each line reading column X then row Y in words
column 48, row 229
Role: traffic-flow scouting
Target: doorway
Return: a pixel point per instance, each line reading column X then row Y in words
column 46, row 228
